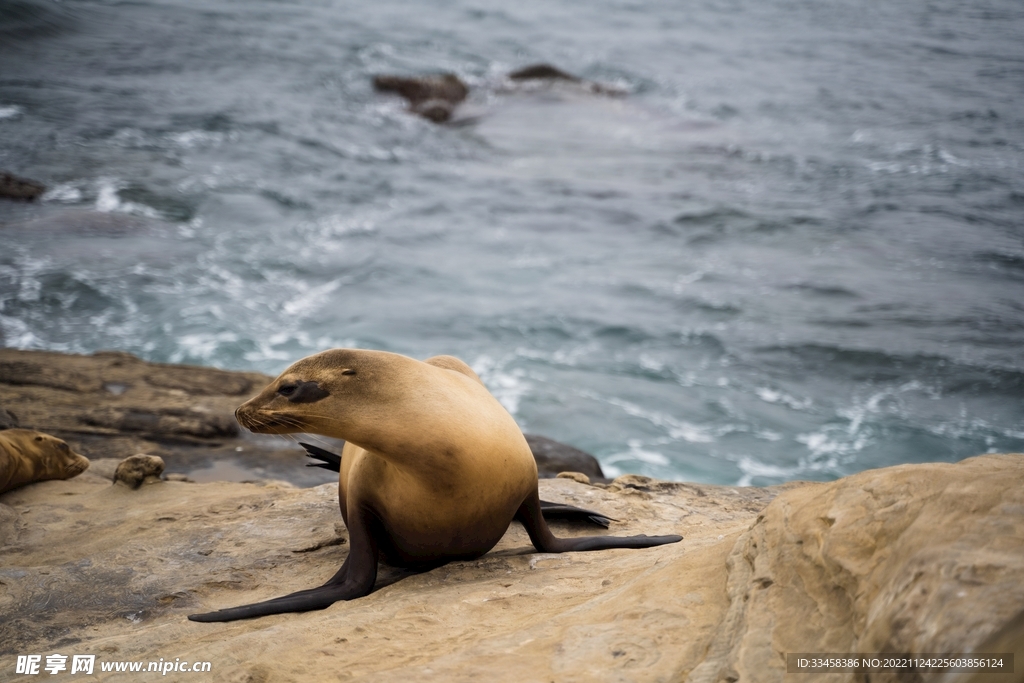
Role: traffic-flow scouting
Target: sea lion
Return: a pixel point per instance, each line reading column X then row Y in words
column 28, row 456
column 433, row 469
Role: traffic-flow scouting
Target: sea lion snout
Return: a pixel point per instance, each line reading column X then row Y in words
column 75, row 466
column 271, row 413
column 246, row 415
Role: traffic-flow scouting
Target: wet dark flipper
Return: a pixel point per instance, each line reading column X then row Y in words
column 303, row 601
column 560, row 511
column 331, row 461
column 532, row 517
column 354, row 580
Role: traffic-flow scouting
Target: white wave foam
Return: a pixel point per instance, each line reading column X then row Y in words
column 309, row 298
column 287, row 347
column 66, row 193
column 856, row 435
column 202, row 345
column 649, row 363
column 108, row 201
column 337, row 225
column 10, row 111
column 751, row 468
column 773, row 396
column 189, row 139
column 192, row 139
column 638, row 452
column 508, row 386
column 15, row 334
column 677, row 429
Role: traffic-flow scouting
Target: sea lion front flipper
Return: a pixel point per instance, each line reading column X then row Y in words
column 331, row 461
column 560, row 511
column 354, row 580
column 532, row 517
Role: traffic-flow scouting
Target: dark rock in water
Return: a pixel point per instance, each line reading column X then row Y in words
column 548, row 73
column 13, row 187
column 8, row 420
column 436, row 110
column 553, row 457
column 540, row 71
column 433, row 97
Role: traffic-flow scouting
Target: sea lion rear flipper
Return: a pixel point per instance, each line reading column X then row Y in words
column 354, row 580
column 532, row 517
column 331, row 461
column 559, row 511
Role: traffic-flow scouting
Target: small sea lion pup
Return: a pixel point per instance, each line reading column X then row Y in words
column 434, row 468
column 27, row 456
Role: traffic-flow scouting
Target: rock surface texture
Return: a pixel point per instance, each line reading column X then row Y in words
column 926, row 558
column 114, row 405
column 920, row 558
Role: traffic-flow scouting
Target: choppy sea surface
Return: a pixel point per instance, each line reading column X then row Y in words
column 794, row 250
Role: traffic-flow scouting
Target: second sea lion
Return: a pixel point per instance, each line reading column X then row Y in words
column 27, row 456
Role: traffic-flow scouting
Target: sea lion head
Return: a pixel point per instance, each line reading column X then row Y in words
column 41, row 456
column 317, row 393
column 56, row 458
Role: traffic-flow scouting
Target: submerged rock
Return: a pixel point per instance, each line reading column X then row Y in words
column 436, row 97
column 546, row 73
column 432, row 97
column 541, row 71
column 553, row 458
column 13, row 187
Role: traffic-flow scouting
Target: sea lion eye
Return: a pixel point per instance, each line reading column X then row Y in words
column 303, row 392
column 64, row 448
column 348, row 372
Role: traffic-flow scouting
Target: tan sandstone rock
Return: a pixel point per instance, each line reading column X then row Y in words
column 928, row 558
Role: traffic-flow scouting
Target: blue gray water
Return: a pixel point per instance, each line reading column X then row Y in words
column 795, row 250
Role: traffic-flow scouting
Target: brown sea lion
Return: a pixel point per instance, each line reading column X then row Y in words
column 434, row 469
column 28, row 456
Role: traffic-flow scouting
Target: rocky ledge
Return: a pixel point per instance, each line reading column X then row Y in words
column 916, row 558
column 112, row 405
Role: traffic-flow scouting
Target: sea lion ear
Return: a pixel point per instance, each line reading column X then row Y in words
column 303, row 392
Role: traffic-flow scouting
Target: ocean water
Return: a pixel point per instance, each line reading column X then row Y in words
column 793, row 250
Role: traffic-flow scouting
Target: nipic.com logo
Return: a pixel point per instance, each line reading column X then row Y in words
column 31, row 665
column 56, row 663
